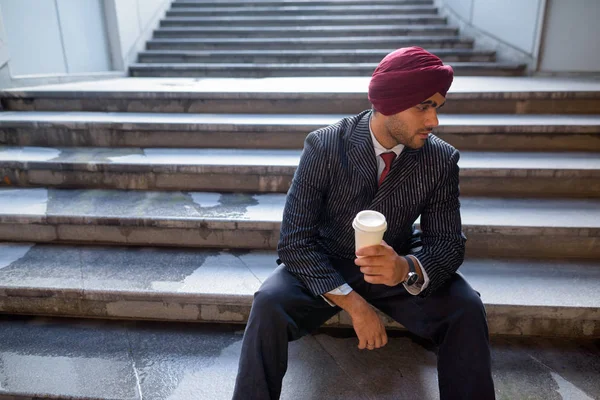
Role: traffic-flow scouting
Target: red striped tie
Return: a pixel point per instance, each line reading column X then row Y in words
column 388, row 159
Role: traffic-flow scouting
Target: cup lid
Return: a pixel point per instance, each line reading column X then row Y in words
column 369, row 221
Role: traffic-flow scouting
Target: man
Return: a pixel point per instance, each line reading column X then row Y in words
column 386, row 160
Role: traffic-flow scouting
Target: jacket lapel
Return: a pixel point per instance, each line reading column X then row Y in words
column 402, row 168
column 362, row 154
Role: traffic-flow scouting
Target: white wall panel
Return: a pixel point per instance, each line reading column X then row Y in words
column 33, row 37
column 572, row 37
column 4, row 53
column 128, row 23
column 512, row 21
column 148, row 9
column 84, row 35
column 461, row 7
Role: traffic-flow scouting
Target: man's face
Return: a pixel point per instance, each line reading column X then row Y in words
column 412, row 127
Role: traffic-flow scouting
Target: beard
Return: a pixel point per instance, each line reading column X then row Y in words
column 402, row 134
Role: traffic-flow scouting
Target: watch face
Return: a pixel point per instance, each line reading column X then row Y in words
column 412, row 279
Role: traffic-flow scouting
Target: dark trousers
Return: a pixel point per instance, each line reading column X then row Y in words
column 283, row 310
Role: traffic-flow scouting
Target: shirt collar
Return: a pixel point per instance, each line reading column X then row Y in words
column 379, row 149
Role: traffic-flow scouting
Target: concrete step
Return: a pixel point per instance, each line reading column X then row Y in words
column 303, row 20
column 296, row 3
column 245, row 32
column 217, row 286
column 307, row 10
column 215, row 70
column 301, row 56
column 155, row 360
column 311, row 43
column 252, row 131
column 534, row 228
column 254, row 170
column 468, row 95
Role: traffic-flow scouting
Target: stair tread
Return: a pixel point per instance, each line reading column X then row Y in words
column 309, row 2
column 214, row 210
column 126, row 273
column 272, row 160
column 200, row 361
column 300, row 29
column 399, row 40
column 371, row 8
column 178, row 5
column 345, row 52
column 374, row 17
column 167, row 88
column 132, row 120
column 284, row 66
column 284, row 2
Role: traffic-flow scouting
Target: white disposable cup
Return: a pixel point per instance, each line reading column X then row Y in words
column 369, row 227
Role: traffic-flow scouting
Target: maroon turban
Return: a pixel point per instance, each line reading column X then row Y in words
column 407, row 77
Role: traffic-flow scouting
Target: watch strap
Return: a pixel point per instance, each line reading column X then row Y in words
column 412, row 276
column 411, row 264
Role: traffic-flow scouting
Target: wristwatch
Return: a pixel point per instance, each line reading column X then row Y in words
column 412, row 276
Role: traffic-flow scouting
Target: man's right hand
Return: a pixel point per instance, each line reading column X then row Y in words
column 369, row 329
column 367, row 324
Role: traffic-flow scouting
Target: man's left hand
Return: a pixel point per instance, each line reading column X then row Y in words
column 381, row 265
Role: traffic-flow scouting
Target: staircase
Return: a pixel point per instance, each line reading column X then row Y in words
column 156, row 202
column 270, row 38
column 161, row 199
column 198, row 164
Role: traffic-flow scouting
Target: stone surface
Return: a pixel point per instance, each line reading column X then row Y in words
column 166, row 271
column 270, row 161
column 305, row 10
column 498, row 87
column 325, row 95
column 221, row 210
column 243, row 32
column 402, row 370
column 515, row 124
column 300, row 56
column 259, row 170
column 287, row 131
column 25, row 202
column 32, row 268
column 538, row 282
column 305, row 20
column 303, row 68
column 519, row 373
column 155, row 361
column 296, row 3
column 81, row 359
column 195, row 122
column 573, row 366
column 322, row 43
column 213, row 285
column 495, row 226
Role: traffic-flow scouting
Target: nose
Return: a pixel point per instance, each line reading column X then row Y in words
column 432, row 119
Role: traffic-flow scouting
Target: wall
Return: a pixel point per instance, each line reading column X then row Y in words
column 571, row 41
column 130, row 24
column 514, row 22
column 551, row 36
column 55, row 41
column 511, row 27
column 4, row 56
column 54, row 37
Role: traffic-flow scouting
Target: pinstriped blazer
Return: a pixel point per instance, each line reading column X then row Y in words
column 337, row 177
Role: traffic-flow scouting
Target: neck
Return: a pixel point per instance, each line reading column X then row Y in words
column 380, row 131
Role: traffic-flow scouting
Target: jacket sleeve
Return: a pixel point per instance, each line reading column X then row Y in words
column 298, row 246
column 443, row 243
